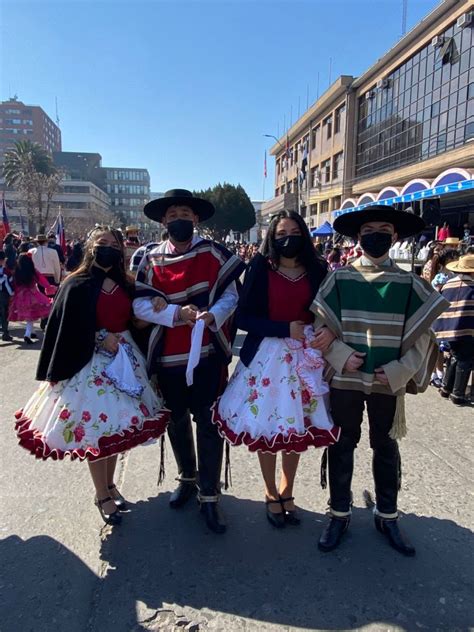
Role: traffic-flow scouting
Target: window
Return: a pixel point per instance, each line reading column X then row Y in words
column 328, row 124
column 314, row 136
column 470, row 91
column 337, row 166
column 326, row 171
column 469, row 131
column 324, row 206
column 315, row 177
column 12, row 111
column 338, row 118
column 14, row 121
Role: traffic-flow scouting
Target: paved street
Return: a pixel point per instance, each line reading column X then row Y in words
column 61, row 569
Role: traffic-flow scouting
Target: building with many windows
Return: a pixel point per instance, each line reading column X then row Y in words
column 129, row 191
column 406, row 130
column 26, row 122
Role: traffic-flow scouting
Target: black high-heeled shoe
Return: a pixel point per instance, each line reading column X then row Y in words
column 119, row 500
column 275, row 519
column 291, row 516
column 113, row 518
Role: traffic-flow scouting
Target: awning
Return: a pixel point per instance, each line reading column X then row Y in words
column 324, row 229
column 439, row 191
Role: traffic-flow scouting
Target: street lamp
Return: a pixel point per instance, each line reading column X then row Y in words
column 272, row 136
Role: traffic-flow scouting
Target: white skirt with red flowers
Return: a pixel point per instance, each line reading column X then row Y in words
column 88, row 417
column 279, row 401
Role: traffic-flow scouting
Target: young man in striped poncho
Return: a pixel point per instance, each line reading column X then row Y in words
column 381, row 316
column 197, row 277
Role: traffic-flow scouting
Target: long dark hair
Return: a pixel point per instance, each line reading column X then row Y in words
column 314, row 264
column 25, row 270
column 119, row 273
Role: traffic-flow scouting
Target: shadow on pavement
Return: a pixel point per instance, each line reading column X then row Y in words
column 161, row 557
column 43, row 586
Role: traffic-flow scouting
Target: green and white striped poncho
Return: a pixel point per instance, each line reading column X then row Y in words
column 381, row 311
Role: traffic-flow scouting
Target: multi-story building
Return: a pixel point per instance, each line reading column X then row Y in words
column 408, row 134
column 129, row 191
column 310, row 158
column 413, row 129
column 26, row 122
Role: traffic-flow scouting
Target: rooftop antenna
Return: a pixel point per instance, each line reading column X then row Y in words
column 57, row 114
column 404, row 16
column 330, row 70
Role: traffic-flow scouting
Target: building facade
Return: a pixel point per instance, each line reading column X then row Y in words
column 129, row 191
column 408, row 134
column 19, row 121
column 310, row 159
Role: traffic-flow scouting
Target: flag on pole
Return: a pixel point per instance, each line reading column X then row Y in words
column 5, row 222
column 60, row 233
column 265, row 165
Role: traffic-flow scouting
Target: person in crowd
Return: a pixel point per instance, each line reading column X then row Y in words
column 10, row 251
column 6, row 292
column 55, row 246
column 443, row 273
column 75, row 258
column 94, row 400
column 456, row 326
column 198, row 278
column 444, row 232
column 429, row 270
column 334, row 259
column 275, row 399
column 382, row 315
column 131, row 243
column 28, row 303
column 46, row 260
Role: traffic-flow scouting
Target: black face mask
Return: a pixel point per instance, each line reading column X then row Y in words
column 181, row 230
column 106, row 256
column 289, row 246
column 376, row 244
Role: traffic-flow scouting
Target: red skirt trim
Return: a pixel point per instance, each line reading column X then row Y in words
column 32, row 440
column 313, row 437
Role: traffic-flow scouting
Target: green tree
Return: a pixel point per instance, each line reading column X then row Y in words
column 234, row 210
column 29, row 169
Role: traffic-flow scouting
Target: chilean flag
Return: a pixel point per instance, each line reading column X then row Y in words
column 60, row 233
column 5, row 222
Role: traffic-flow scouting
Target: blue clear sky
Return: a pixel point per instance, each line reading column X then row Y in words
column 187, row 89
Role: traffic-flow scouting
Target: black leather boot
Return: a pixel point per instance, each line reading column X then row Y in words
column 396, row 538
column 332, row 534
column 181, row 437
column 212, row 514
column 186, row 489
column 463, row 373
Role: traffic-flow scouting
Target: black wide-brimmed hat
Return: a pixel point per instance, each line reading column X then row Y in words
column 406, row 223
column 156, row 209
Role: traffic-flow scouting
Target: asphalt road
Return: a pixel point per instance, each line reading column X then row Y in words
column 61, row 569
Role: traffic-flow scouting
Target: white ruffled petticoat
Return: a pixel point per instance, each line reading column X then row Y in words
column 278, row 402
column 94, row 415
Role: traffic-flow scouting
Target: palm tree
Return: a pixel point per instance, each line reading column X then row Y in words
column 28, row 168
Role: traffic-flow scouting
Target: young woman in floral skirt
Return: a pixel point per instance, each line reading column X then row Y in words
column 275, row 400
column 94, row 400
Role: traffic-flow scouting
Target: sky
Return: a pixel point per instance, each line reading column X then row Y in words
column 187, row 89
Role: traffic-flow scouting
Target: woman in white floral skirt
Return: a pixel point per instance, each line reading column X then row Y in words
column 275, row 399
column 94, row 400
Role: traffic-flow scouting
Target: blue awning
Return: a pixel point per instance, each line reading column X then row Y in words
column 439, row 191
column 324, row 229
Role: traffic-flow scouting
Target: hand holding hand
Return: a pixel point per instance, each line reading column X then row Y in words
column 158, row 303
column 187, row 314
column 111, row 343
column 297, row 330
column 354, row 362
column 381, row 376
column 207, row 317
column 323, row 338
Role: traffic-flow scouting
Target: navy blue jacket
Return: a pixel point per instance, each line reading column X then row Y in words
column 253, row 309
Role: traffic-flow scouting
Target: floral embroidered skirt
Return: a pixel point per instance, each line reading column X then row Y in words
column 88, row 417
column 278, row 402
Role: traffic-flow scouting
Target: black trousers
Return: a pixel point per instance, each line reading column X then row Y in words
column 4, row 302
column 347, row 408
column 458, row 371
column 209, row 377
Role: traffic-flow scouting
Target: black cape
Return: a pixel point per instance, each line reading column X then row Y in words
column 69, row 339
